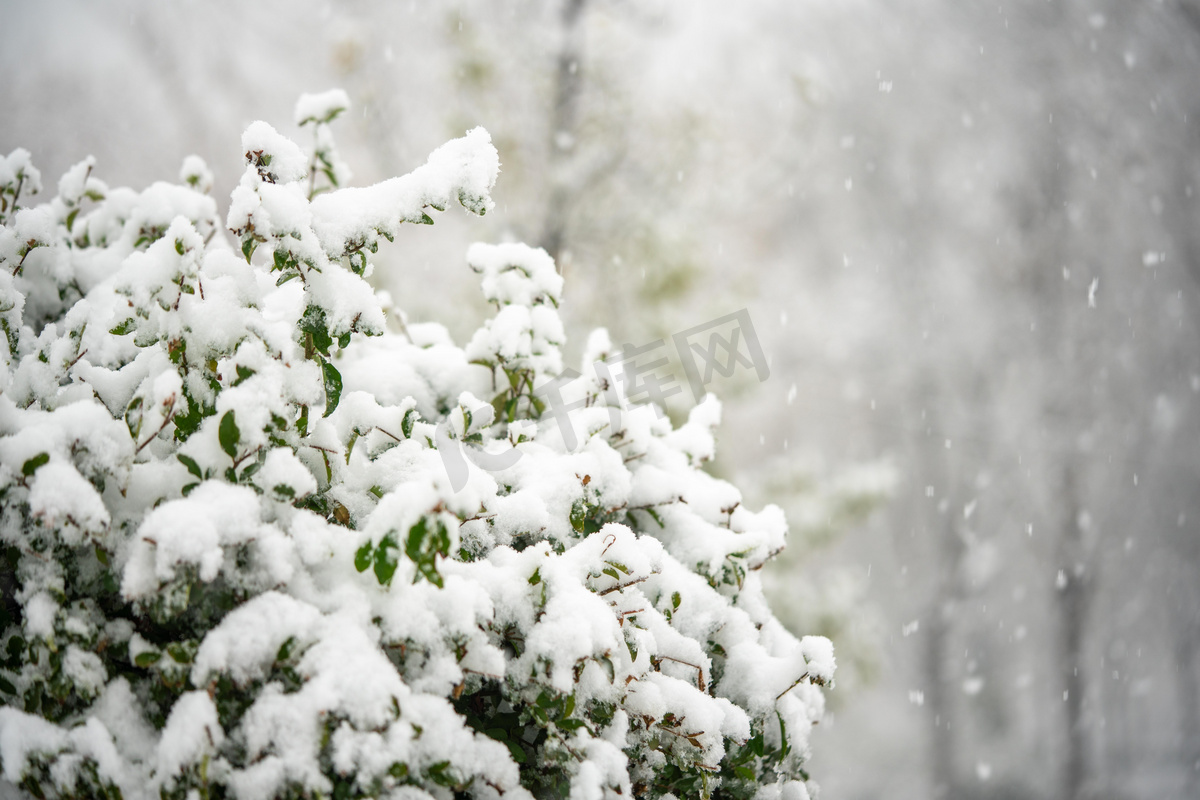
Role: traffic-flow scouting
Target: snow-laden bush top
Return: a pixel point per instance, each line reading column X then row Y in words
column 236, row 564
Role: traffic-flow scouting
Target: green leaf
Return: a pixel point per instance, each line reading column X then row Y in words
column 536, row 577
column 333, row 387
column 285, row 649
column 498, row 404
column 518, row 752
column 676, row 599
column 188, row 489
column 578, row 515
column 31, row 466
column 440, row 774
column 362, row 558
column 178, row 653
column 179, row 246
column 609, row 667
column 189, row 423
column 423, row 545
column 314, row 324
column 133, row 416
column 406, row 424
column 248, row 246
column 499, row 734
column 229, row 434
column 386, row 559
column 612, row 573
column 416, row 538
column 147, row 659
column 128, row 326
column 71, row 218
column 191, row 465
column 243, row 373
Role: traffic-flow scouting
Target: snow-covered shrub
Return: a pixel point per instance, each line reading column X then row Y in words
column 236, row 563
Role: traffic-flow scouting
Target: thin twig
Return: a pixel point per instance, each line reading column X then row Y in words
column 793, row 686
column 245, row 456
column 161, row 428
column 621, row 586
column 699, row 670
column 388, row 434
column 76, row 361
column 610, row 540
column 624, row 614
column 22, row 262
column 483, row 674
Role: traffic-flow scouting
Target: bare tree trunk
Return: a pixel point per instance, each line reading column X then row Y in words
column 1187, row 684
column 1074, row 595
column 938, row 682
column 947, row 557
column 568, row 85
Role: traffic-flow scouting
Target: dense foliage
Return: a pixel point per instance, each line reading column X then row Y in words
column 237, row 560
